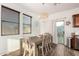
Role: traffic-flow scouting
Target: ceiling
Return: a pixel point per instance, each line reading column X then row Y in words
column 49, row 7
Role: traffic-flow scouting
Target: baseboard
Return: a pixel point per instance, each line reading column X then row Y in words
column 2, row 53
column 8, row 53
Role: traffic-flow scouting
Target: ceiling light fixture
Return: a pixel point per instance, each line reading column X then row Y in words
column 43, row 16
column 56, row 4
column 43, row 4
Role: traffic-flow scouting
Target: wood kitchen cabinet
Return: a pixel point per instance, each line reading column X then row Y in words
column 75, row 42
column 76, row 20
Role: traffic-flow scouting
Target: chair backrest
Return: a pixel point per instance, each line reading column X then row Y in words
column 47, row 39
column 26, row 43
column 41, row 37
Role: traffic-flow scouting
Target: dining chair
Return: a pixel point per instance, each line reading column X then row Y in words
column 25, row 46
column 46, row 44
column 28, row 47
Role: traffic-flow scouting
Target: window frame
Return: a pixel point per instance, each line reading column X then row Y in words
column 2, row 6
column 28, row 24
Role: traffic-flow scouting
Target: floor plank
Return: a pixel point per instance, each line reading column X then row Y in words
column 57, row 50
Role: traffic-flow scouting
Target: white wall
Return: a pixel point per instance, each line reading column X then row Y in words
column 12, row 42
column 66, row 16
column 45, row 26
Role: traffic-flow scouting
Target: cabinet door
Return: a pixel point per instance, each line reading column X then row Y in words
column 77, row 44
column 76, row 20
column 73, row 43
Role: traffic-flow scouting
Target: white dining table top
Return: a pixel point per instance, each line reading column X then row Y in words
column 36, row 41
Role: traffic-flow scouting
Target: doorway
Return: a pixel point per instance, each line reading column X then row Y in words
column 60, row 31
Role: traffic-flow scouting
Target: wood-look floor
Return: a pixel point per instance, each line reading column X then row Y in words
column 57, row 50
column 61, row 50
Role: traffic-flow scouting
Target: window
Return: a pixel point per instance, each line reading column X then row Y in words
column 9, row 21
column 26, row 24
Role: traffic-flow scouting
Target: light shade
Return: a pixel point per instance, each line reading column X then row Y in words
column 44, row 15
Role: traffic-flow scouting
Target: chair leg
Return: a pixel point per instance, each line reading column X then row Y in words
column 46, row 50
column 30, row 53
column 43, row 51
column 24, row 52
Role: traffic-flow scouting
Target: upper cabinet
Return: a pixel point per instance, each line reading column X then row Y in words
column 76, row 20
